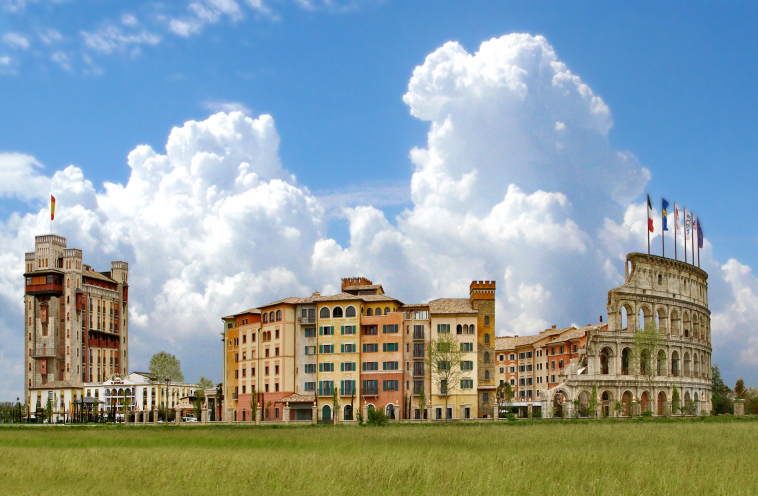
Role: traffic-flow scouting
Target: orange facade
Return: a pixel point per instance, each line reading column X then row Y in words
column 382, row 361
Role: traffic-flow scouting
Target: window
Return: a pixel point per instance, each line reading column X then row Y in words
column 271, row 316
column 561, row 364
column 348, row 348
column 417, row 387
column 513, row 370
column 486, row 375
column 244, row 338
column 529, row 354
column 378, row 311
column 418, row 350
column 368, row 366
column 529, row 368
column 390, row 346
column 326, row 330
column 471, row 329
column 310, row 368
column 552, row 378
column 389, row 329
column 390, row 385
column 276, row 351
column 501, row 358
column 337, row 313
column 326, row 367
column 512, row 356
column 350, row 311
column 443, row 328
column 370, row 388
column 522, row 368
column 575, row 348
column 310, row 386
column 521, row 356
column 487, row 320
column 552, row 365
column 326, row 348
column 323, row 313
column 386, row 311
column 369, row 312
column 276, row 370
column 418, row 369
column 278, row 316
column 552, row 350
column 467, row 347
column 467, row 383
column 486, row 356
column 310, row 350
column 370, row 330
column 348, row 329
column 267, row 350
column 467, row 365
column 485, row 397
column 370, row 347
column 389, row 366
column 561, row 349
column 266, row 370
column 310, row 332
column 277, row 334
column 348, row 367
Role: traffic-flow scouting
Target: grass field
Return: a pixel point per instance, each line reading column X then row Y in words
column 696, row 456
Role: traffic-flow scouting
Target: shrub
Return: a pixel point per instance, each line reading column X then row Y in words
column 360, row 418
column 510, row 416
column 647, row 414
column 377, row 417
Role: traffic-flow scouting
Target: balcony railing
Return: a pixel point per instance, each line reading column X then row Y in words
column 325, row 392
column 371, row 392
column 41, row 351
column 418, row 373
column 418, row 335
column 347, row 391
column 234, row 396
column 306, row 320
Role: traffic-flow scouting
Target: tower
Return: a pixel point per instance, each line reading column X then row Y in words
column 482, row 295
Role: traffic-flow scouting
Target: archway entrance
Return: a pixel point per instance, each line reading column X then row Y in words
column 626, row 401
column 558, row 403
column 661, row 403
column 348, row 415
column 391, row 411
column 645, row 401
column 326, row 413
column 606, row 403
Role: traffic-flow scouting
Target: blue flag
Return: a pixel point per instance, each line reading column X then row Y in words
column 699, row 235
column 664, row 206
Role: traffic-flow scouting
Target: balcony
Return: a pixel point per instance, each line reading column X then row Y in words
column 306, row 320
column 45, row 289
column 418, row 373
column 42, row 351
column 371, row 392
column 347, row 391
column 234, row 396
column 418, row 335
column 325, row 392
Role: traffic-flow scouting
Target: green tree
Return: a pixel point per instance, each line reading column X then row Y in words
column 720, row 399
column 646, row 344
column 253, row 403
column 739, row 389
column 593, row 403
column 198, row 403
column 445, row 363
column 204, row 383
column 335, row 402
column 504, row 399
column 675, row 400
column 127, row 404
column 48, row 413
column 165, row 368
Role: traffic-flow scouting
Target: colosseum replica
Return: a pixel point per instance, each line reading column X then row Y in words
column 673, row 294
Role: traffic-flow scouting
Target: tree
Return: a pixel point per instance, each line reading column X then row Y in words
column 219, row 400
column 593, row 403
column 127, row 404
column 445, row 363
column 253, row 403
column 204, row 383
column 720, row 399
column 165, row 368
column 644, row 357
column 335, row 402
column 675, row 400
column 198, row 403
column 504, row 399
column 739, row 389
column 48, row 410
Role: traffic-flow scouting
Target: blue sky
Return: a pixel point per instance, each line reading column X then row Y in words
column 83, row 83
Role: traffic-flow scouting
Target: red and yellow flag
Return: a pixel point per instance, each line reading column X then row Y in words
column 52, row 207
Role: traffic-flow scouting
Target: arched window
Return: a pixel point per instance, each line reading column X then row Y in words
column 278, row 315
column 265, row 318
column 459, row 329
column 337, row 313
column 471, row 329
column 378, row 311
column 661, row 363
column 660, row 280
column 323, row 313
column 486, row 356
column 487, row 338
column 350, row 311
column 271, row 316
column 369, row 312
column 386, row 310
column 625, row 362
column 605, row 357
column 624, row 318
column 486, row 375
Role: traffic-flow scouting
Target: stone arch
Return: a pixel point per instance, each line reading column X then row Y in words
column 660, row 320
column 558, row 398
column 645, row 316
column 390, row 411
column 696, row 365
column 606, row 403
column 686, row 324
column 661, row 362
column 625, row 312
column 687, row 364
column 584, row 402
column 626, row 354
column 695, row 326
column 676, row 323
column 606, row 355
column 661, row 403
column 675, row 363
column 626, row 402
column 644, row 401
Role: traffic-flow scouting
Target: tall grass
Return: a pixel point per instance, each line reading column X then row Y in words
column 585, row 457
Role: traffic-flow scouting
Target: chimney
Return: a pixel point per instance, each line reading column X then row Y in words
column 601, row 319
column 553, row 326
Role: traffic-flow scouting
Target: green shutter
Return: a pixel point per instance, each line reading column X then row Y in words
column 342, row 386
column 384, row 385
column 320, row 330
column 342, row 348
column 342, row 366
column 364, row 368
column 320, row 367
column 438, row 328
column 342, row 329
column 364, row 347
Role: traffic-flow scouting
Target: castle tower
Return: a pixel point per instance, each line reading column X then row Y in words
column 482, row 295
column 72, row 330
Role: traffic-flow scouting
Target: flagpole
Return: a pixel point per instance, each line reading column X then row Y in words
column 685, row 234
column 692, row 224
column 676, row 227
column 663, row 233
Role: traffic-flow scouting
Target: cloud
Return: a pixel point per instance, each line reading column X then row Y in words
column 20, row 177
column 218, row 106
column 16, row 41
column 111, row 38
column 202, row 12
column 50, row 36
column 62, row 60
column 129, row 20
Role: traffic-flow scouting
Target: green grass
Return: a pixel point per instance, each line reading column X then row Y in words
column 711, row 456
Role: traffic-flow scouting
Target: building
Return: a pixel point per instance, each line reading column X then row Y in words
column 75, row 318
column 138, row 391
column 368, row 346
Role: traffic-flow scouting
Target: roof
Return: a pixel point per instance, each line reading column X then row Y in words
column 573, row 334
column 511, row 342
column 451, row 306
column 60, row 385
column 338, row 297
column 97, row 275
column 290, row 300
column 414, row 305
column 298, row 398
column 375, row 298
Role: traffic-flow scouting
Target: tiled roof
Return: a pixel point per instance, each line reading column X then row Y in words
column 338, row 297
column 96, row 275
column 60, row 385
column 363, row 287
column 411, row 306
column 511, row 342
column 573, row 334
column 451, row 306
column 374, row 298
column 290, row 300
column 298, row 398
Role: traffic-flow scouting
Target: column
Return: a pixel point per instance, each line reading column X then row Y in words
column 365, row 411
column 229, row 415
column 336, row 414
column 258, row 415
column 155, row 416
column 463, row 412
column 178, row 416
column 286, row 413
column 529, row 410
column 564, row 408
column 314, row 413
column 667, row 412
column 397, row 412
column 204, row 415
column 739, row 407
column 429, row 412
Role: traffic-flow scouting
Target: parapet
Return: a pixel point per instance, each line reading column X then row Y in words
column 482, row 290
column 355, row 281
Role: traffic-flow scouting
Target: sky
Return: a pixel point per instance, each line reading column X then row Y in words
column 238, row 151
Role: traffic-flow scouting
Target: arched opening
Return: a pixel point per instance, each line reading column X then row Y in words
column 641, row 319
column 558, row 399
column 487, row 356
column 265, row 318
column 369, row 312
column 687, row 365
column 487, row 338
column 337, row 313
column 326, row 413
column 606, row 402
column 624, row 316
column 687, row 325
column 390, row 410
column 271, row 316
column 348, row 412
column 350, row 311
column 695, row 327
column 675, row 323
column 645, row 401
column 605, row 360
column 660, row 321
column 644, row 362
column 696, row 366
column 378, row 311
column 662, row 403
column 386, row 310
column 661, row 370
column 584, row 402
column 278, row 315
column 675, row 363
column 486, row 375
column 625, row 361
column 471, row 329
column 459, row 329
column 323, row 313
column 697, row 405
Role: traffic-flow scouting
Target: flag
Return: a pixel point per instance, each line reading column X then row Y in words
column 699, row 236
column 649, row 214
column 687, row 221
column 676, row 216
column 664, row 206
column 52, row 207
